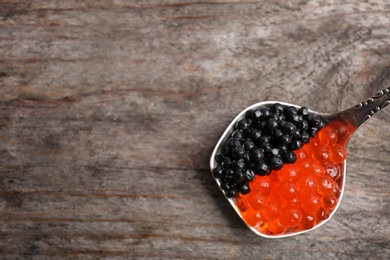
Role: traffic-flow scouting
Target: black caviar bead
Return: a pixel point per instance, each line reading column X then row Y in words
column 277, row 108
column 303, row 111
column 265, row 113
column 239, row 176
column 249, row 175
column 285, row 139
column 271, row 125
column 233, row 142
column 296, row 144
column 283, row 149
column 243, row 188
column 277, row 133
column 302, row 125
column 243, row 124
column 249, row 144
column 264, row 139
column 225, row 186
column 315, row 121
column 249, row 114
column 294, row 118
column 275, row 151
column 227, row 162
column 276, row 162
column 238, row 152
column 256, row 114
column 254, row 134
column 267, row 147
column 230, row 193
column 262, row 169
column 218, row 172
column 219, row 158
column 238, row 134
column 297, row 134
column 257, row 155
column 238, row 164
column 289, row 157
column 247, row 157
column 313, row 131
column 229, row 174
column 289, row 128
column 290, row 111
column 305, row 137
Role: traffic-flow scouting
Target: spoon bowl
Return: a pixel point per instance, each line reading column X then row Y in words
column 344, row 123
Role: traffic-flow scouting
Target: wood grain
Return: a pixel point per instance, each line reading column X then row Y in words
column 109, row 111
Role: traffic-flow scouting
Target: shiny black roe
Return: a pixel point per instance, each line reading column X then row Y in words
column 263, row 141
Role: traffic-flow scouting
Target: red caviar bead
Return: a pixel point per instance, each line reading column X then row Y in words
column 328, row 136
column 329, row 202
column 321, row 154
column 276, row 228
column 325, row 185
column 307, row 184
column 256, row 201
column 241, row 203
column 322, row 214
column 308, row 221
column 271, row 210
column 317, row 168
column 252, row 217
column 290, row 216
column 261, row 184
column 338, row 154
column 333, row 171
column 288, row 190
column 289, row 172
column 311, row 203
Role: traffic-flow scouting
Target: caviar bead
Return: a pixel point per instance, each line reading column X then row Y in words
column 238, row 134
column 290, row 216
column 230, row 193
column 233, row 142
column 312, row 131
column 227, row 162
column 254, row 134
column 262, row 169
column 249, row 144
column 277, row 134
column 285, row 139
column 218, row 172
column 243, row 124
column 256, row 115
column 305, row 137
column 249, row 175
column 277, row 108
column 238, row 164
column 249, row 114
column 239, row 176
column 296, row 144
column 265, row 113
column 276, row 162
column 225, row 186
column 303, row 111
column 289, row 128
column 289, row 157
column 243, row 188
column 257, row 155
column 229, row 174
column 219, row 158
column 271, row 125
column 303, row 125
column 238, row 152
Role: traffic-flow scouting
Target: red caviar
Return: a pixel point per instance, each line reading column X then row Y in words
column 299, row 196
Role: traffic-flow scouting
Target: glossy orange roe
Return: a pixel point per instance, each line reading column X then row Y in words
column 301, row 195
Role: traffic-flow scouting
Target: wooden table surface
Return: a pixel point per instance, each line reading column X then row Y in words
column 109, row 111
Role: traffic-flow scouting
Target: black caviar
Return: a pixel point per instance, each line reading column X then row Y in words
column 262, row 141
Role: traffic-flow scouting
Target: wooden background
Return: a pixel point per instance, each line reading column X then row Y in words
column 109, row 111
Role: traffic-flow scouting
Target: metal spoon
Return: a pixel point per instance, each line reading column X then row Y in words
column 349, row 120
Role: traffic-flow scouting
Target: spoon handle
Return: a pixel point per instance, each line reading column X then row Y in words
column 358, row 114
